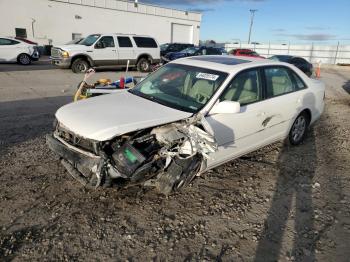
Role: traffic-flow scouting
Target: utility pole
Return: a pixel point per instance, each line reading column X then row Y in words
column 252, row 14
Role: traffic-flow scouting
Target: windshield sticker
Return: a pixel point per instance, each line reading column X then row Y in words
column 207, row 76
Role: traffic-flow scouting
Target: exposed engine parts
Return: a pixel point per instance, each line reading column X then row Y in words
column 166, row 157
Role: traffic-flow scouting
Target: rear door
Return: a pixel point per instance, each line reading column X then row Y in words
column 105, row 52
column 285, row 96
column 126, row 50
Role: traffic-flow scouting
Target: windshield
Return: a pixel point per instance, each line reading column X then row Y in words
column 163, row 47
column 90, row 40
column 182, row 87
column 190, row 50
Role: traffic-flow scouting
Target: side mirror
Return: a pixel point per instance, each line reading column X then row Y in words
column 226, row 107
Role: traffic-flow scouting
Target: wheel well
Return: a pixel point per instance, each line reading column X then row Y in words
column 148, row 57
column 22, row 54
column 86, row 58
column 308, row 113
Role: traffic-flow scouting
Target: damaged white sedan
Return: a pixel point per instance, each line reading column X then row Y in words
column 187, row 117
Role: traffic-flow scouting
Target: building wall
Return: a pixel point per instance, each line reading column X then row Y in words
column 327, row 54
column 56, row 20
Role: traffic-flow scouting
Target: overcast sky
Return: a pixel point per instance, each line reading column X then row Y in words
column 276, row 20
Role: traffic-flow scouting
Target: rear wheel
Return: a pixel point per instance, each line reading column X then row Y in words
column 143, row 65
column 299, row 129
column 24, row 59
column 80, row 66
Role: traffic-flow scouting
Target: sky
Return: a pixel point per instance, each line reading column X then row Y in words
column 294, row 21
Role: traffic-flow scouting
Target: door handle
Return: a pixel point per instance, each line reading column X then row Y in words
column 89, row 51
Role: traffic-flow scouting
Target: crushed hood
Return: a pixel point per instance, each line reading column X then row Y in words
column 104, row 117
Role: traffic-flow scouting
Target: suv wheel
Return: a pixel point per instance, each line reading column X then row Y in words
column 143, row 65
column 24, row 59
column 80, row 66
column 299, row 129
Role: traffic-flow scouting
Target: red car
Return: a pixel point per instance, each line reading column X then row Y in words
column 245, row 52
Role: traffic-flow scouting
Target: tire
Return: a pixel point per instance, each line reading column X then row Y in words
column 143, row 65
column 80, row 66
column 24, row 59
column 299, row 129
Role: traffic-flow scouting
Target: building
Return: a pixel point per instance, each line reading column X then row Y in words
column 59, row 21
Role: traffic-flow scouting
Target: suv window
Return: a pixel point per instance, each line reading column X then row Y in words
column 106, row 41
column 4, row 41
column 278, row 81
column 145, row 42
column 124, row 41
column 245, row 88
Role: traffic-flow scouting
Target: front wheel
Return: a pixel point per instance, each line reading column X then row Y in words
column 299, row 129
column 24, row 59
column 143, row 65
column 80, row 66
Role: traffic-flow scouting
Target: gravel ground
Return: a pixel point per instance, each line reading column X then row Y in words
column 279, row 203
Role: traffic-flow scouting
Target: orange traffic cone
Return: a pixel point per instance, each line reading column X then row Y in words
column 318, row 70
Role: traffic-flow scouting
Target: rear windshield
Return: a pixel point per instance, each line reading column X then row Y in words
column 145, row 42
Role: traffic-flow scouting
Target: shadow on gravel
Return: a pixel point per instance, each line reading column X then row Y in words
column 27, row 119
column 293, row 187
column 346, row 87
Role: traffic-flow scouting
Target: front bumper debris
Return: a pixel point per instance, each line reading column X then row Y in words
column 61, row 62
column 166, row 157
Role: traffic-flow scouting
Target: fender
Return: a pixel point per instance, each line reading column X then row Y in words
column 90, row 60
column 145, row 55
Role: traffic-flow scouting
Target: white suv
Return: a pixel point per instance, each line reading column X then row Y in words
column 16, row 50
column 107, row 50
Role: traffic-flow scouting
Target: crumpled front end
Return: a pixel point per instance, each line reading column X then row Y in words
column 167, row 157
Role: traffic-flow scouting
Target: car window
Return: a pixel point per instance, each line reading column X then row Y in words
column 124, row 41
column 182, row 87
column 298, row 83
column 145, row 42
column 4, row 41
column 278, row 81
column 106, row 41
column 298, row 60
column 213, row 51
column 245, row 88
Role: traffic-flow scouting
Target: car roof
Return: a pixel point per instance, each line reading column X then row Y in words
column 226, row 63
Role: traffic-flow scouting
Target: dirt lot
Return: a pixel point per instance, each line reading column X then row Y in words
column 280, row 203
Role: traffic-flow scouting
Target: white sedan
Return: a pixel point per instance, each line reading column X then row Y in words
column 16, row 50
column 189, row 116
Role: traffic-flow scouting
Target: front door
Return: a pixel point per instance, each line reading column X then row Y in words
column 105, row 52
column 237, row 134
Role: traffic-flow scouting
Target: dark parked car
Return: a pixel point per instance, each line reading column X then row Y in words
column 299, row 62
column 173, row 47
column 192, row 51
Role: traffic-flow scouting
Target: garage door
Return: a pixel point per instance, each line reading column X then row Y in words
column 181, row 33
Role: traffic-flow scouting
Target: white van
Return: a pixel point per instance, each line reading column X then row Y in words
column 107, row 50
